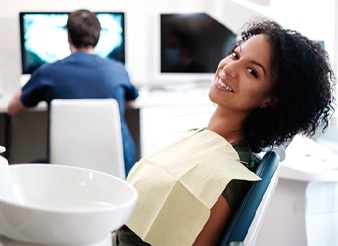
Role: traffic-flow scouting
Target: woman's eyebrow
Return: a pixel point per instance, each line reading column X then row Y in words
column 260, row 65
column 252, row 61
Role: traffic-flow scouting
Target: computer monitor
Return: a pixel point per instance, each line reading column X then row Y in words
column 192, row 44
column 43, row 38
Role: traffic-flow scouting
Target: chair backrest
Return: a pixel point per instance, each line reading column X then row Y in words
column 247, row 219
column 87, row 133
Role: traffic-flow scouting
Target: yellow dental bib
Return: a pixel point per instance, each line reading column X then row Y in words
column 178, row 185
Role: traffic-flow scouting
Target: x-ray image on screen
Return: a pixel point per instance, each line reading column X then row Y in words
column 44, row 38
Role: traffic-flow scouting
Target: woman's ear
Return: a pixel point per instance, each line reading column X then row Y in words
column 270, row 102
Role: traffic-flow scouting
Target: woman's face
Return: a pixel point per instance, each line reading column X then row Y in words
column 243, row 80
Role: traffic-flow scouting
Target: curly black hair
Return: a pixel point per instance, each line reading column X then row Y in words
column 303, row 84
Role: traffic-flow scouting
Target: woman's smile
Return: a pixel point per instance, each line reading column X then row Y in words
column 221, row 84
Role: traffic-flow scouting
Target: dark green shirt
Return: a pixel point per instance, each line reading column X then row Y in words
column 236, row 189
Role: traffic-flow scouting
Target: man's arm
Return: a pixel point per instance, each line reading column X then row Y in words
column 15, row 105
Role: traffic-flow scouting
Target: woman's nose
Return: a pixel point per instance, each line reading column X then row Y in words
column 230, row 69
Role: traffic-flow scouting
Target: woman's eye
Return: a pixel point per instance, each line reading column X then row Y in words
column 234, row 55
column 253, row 72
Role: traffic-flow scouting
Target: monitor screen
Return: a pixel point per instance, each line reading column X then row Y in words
column 43, row 38
column 192, row 43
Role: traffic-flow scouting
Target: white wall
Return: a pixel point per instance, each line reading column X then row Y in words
column 313, row 18
column 309, row 16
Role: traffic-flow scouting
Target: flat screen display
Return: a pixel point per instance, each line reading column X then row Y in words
column 43, row 38
column 192, row 43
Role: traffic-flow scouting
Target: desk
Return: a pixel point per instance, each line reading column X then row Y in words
column 159, row 117
column 25, row 135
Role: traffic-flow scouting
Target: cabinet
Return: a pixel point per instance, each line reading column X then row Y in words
column 162, row 125
column 166, row 115
column 304, row 207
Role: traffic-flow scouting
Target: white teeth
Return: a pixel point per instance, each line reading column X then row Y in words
column 225, row 86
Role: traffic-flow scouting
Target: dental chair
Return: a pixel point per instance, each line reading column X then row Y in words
column 247, row 219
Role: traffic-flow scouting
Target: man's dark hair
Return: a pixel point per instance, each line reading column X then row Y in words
column 83, row 28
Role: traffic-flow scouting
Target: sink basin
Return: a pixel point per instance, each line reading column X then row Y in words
column 61, row 205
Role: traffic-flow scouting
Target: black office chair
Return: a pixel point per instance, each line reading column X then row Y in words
column 246, row 220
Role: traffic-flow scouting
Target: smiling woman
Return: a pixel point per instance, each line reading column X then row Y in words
column 275, row 84
column 246, row 75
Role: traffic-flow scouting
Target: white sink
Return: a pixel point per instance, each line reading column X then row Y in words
column 61, row 205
